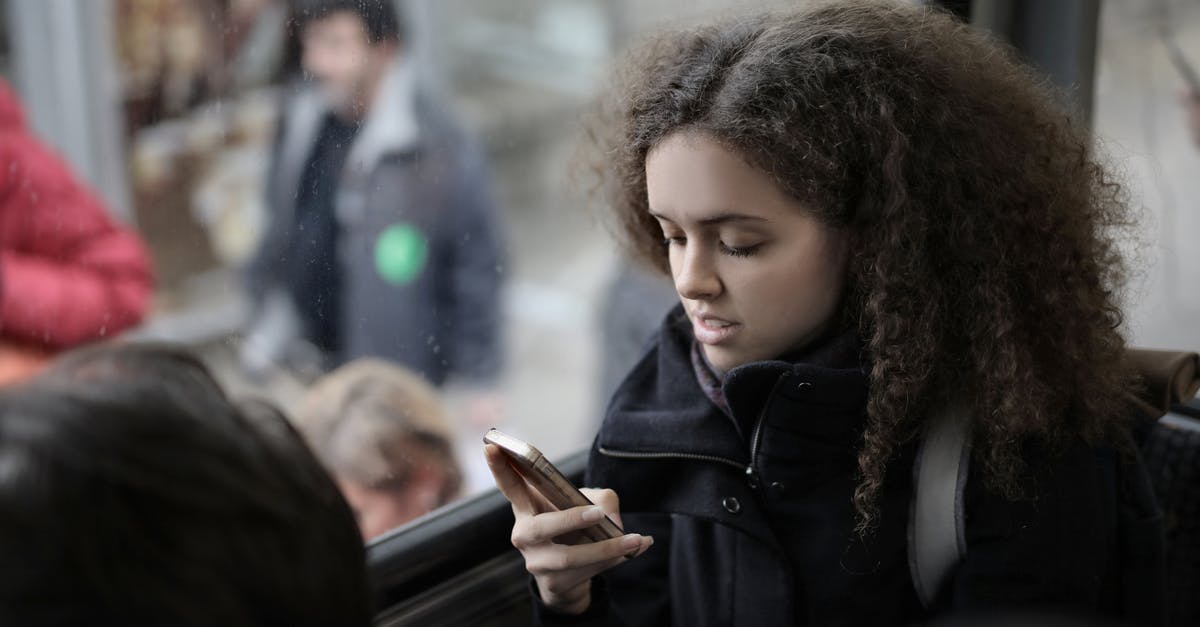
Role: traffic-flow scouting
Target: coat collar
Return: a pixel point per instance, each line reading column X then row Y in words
column 391, row 125
column 661, row 408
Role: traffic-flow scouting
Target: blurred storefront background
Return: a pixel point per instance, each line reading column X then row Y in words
column 168, row 107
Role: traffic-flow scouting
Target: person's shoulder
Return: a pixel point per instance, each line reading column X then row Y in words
column 444, row 134
column 438, row 118
column 1056, row 489
column 1044, row 468
column 298, row 99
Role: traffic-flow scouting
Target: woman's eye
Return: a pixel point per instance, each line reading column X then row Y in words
column 739, row 251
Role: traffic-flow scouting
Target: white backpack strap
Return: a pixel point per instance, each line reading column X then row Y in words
column 936, row 521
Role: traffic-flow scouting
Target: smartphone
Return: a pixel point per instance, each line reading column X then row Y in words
column 552, row 484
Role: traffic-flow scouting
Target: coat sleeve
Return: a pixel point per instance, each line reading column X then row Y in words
column 68, row 272
column 1051, row 550
column 634, row 594
column 476, row 275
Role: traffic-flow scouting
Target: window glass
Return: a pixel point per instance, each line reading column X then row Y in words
column 208, row 91
column 223, row 163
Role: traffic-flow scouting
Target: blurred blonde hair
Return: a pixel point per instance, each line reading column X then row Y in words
column 375, row 423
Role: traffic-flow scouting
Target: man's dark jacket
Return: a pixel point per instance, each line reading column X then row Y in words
column 413, row 199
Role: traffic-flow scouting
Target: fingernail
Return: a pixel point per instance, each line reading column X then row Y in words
column 592, row 514
column 647, row 542
column 631, row 542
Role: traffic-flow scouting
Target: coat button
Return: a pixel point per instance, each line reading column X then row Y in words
column 778, row 487
column 803, row 386
column 752, row 478
column 732, row 505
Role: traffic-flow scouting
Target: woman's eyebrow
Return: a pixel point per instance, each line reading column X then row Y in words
column 720, row 218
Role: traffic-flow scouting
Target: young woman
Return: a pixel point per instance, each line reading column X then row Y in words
column 871, row 213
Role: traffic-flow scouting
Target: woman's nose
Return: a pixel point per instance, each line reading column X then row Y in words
column 695, row 275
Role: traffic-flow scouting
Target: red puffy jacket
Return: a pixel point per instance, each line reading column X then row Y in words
column 68, row 272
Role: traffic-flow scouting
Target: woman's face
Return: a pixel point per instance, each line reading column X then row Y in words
column 758, row 274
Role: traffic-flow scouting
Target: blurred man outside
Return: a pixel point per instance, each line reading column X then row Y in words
column 382, row 238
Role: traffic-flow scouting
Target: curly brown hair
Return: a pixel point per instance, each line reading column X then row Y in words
column 986, row 267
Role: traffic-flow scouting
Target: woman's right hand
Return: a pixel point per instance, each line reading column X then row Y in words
column 563, row 572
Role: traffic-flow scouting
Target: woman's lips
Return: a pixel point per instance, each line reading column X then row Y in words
column 712, row 330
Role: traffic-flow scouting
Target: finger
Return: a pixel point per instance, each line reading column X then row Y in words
column 563, row 583
column 606, row 500
column 543, row 528
column 586, row 557
column 585, row 573
column 511, row 484
column 539, row 502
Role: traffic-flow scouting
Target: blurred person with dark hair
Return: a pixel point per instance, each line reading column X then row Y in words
column 134, row 492
column 382, row 238
column 69, row 273
column 382, row 433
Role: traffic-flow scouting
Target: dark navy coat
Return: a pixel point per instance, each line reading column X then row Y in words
column 753, row 518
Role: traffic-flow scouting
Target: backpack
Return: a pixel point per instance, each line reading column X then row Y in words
column 1161, row 492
